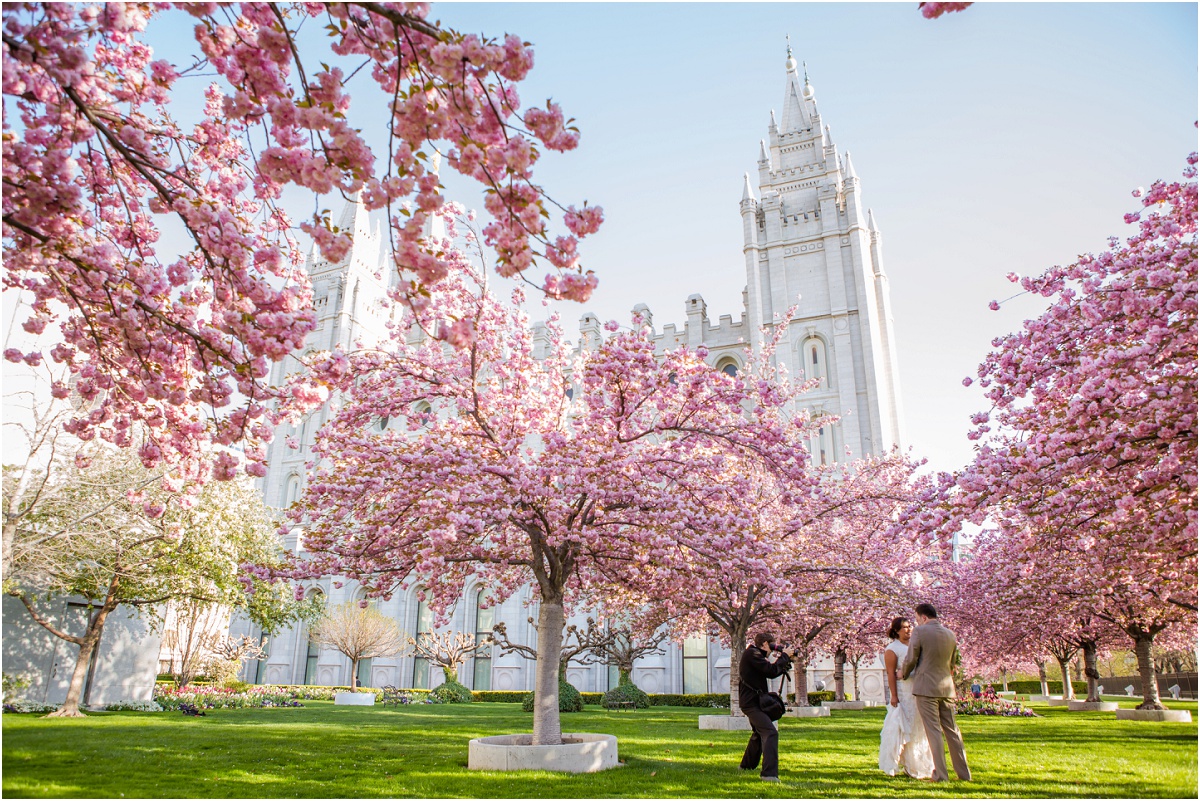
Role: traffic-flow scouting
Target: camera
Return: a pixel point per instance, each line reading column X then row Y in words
column 777, row 647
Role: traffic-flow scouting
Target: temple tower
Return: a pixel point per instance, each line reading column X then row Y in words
column 808, row 240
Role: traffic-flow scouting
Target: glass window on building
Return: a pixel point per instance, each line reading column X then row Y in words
column 310, row 663
column 260, row 665
column 484, row 620
column 814, row 361
column 314, row 650
column 821, row 445
column 695, row 665
column 420, row 664
column 364, row 672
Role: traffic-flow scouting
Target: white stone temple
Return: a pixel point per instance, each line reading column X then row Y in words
column 807, row 236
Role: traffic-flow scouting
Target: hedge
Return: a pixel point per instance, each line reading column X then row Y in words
column 1035, row 687
column 707, row 700
column 703, row 700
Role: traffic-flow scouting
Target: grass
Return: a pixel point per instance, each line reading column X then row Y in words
column 421, row 751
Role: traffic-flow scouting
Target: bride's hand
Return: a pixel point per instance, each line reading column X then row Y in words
column 895, row 701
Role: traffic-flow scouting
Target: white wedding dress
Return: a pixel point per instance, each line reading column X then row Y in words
column 902, row 742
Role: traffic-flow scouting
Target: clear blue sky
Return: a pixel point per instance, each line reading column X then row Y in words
column 1007, row 137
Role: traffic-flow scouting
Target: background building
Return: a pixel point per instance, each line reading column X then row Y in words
column 808, row 242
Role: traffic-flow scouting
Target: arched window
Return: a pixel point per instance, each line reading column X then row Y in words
column 424, row 413
column 813, row 361
column 695, row 665
column 821, row 445
column 484, row 620
column 728, row 366
column 383, row 422
column 420, row 664
column 364, row 665
column 314, row 650
column 292, row 494
column 260, row 664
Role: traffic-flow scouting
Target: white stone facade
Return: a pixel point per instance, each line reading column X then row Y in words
column 807, row 240
column 123, row 666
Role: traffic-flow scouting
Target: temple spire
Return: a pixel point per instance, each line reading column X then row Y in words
column 850, row 173
column 747, row 189
column 798, row 108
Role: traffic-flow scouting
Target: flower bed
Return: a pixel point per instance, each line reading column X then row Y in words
column 134, row 706
column 223, row 697
column 22, row 707
column 988, row 703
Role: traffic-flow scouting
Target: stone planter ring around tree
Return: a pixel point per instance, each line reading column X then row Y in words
column 1092, row 706
column 1158, row 715
column 726, row 723
column 579, row 753
column 353, row 699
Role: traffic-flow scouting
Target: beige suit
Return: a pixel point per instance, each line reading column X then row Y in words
column 932, row 654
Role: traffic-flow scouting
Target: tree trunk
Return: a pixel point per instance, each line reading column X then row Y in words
column 1004, row 678
column 800, row 667
column 839, row 675
column 449, row 674
column 1077, row 669
column 547, row 725
column 624, row 676
column 1141, row 647
column 353, row 673
column 737, row 646
column 10, row 537
column 1068, row 691
column 857, row 697
column 1093, row 675
column 1041, row 663
column 95, row 629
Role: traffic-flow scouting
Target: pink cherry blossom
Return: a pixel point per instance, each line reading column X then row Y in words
column 94, row 159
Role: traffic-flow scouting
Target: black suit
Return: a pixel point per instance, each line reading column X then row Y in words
column 753, row 671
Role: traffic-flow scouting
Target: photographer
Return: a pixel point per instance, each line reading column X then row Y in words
column 754, row 670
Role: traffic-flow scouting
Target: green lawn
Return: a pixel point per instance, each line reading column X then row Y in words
column 421, row 751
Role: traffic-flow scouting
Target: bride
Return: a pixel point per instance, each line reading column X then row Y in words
column 902, row 742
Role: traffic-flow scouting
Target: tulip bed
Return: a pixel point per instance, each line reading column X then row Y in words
column 420, row 750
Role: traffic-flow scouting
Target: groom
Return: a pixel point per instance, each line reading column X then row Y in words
column 932, row 654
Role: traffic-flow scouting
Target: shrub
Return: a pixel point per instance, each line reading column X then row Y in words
column 627, row 692
column 815, row 697
column 592, row 699
column 708, row 700
column 569, row 699
column 1035, row 687
column 451, row 692
column 500, row 696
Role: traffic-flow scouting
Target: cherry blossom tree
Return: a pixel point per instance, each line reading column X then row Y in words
column 567, row 469
column 935, row 10
column 1088, row 454
column 859, row 635
column 822, row 552
column 97, row 164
